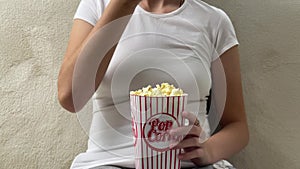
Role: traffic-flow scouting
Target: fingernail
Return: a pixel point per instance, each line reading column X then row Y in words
column 173, row 144
column 171, row 132
column 184, row 113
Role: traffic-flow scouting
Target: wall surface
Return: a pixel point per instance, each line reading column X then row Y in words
column 269, row 34
column 36, row 133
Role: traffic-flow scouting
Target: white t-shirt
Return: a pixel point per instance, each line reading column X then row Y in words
column 176, row 47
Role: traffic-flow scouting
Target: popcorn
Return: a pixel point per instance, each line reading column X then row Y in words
column 164, row 89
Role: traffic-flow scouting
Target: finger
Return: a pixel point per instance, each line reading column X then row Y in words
column 196, row 153
column 190, row 117
column 186, row 130
column 191, row 142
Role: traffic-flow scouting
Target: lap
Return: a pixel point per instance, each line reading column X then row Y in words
column 219, row 165
column 223, row 164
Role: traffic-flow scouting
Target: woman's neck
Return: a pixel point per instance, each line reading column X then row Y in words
column 160, row 6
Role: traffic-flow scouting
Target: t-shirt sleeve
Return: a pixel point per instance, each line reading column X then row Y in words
column 88, row 11
column 225, row 35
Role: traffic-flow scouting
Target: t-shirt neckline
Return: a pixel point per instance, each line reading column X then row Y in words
column 172, row 13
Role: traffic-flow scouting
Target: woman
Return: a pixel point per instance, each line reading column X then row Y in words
column 200, row 36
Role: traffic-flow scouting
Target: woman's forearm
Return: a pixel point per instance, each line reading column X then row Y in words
column 231, row 139
column 115, row 10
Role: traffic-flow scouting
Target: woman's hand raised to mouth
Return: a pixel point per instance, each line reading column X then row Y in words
column 81, row 32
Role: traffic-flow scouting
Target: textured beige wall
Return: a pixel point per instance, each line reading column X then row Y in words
column 269, row 34
column 36, row 133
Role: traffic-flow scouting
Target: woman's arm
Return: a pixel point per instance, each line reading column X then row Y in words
column 234, row 134
column 80, row 34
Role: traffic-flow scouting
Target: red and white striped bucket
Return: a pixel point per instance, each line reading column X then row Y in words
column 151, row 118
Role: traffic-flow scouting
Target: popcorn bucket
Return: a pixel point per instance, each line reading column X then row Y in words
column 152, row 117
